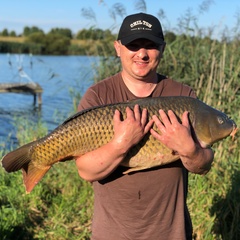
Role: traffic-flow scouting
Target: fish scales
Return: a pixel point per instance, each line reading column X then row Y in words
column 92, row 128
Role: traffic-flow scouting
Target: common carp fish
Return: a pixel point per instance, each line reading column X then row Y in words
column 92, row 128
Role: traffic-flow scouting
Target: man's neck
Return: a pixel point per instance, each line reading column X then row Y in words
column 141, row 87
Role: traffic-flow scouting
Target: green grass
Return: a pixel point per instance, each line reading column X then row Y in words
column 214, row 199
column 60, row 207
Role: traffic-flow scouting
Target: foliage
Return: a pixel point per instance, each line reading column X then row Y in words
column 5, row 33
column 30, row 30
column 60, row 42
column 94, row 34
column 66, row 32
column 18, row 47
column 56, row 44
column 36, row 37
column 106, row 67
column 12, row 34
column 54, row 209
column 51, row 43
column 212, row 68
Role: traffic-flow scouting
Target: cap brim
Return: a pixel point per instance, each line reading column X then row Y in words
column 135, row 36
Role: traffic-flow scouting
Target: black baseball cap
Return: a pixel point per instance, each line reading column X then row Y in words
column 141, row 25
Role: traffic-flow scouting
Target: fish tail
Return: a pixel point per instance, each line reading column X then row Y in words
column 16, row 159
column 21, row 159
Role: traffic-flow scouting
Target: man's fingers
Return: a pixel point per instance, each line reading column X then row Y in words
column 172, row 117
column 116, row 117
column 185, row 119
column 159, row 124
column 155, row 134
column 148, row 127
column 130, row 113
column 137, row 113
column 144, row 117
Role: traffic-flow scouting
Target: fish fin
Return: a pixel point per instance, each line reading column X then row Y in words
column 15, row 160
column 20, row 159
column 32, row 175
column 234, row 131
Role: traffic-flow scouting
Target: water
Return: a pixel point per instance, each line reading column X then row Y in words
column 57, row 75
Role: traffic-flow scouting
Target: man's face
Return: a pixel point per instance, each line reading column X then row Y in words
column 139, row 58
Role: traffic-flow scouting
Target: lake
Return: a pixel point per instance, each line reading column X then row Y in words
column 57, row 75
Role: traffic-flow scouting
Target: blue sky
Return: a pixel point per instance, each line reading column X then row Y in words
column 47, row 14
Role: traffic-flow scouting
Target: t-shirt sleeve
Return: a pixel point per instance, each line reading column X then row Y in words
column 89, row 99
column 170, row 87
column 104, row 92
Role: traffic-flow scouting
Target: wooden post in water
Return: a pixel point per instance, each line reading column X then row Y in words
column 37, row 99
column 24, row 88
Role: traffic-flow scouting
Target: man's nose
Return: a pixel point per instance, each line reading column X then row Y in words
column 142, row 52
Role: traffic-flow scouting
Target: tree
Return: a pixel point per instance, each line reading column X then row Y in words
column 62, row 31
column 37, row 37
column 12, row 34
column 30, row 30
column 170, row 37
column 56, row 44
column 5, row 32
column 95, row 34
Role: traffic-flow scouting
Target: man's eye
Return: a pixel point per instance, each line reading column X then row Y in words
column 136, row 47
column 133, row 47
column 152, row 46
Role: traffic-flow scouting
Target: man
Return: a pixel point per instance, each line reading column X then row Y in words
column 149, row 204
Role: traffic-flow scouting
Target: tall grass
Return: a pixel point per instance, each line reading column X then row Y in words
column 60, row 206
column 212, row 68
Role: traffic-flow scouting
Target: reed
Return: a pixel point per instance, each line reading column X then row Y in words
column 213, row 70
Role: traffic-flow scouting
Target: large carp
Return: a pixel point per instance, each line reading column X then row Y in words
column 91, row 128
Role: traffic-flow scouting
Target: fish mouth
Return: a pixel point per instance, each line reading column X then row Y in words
column 234, row 130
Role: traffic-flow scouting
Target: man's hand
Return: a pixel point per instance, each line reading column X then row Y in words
column 177, row 136
column 130, row 131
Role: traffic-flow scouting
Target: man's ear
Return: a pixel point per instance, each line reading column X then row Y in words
column 117, row 47
column 162, row 48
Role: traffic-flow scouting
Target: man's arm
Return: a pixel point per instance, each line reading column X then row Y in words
column 98, row 164
column 178, row 137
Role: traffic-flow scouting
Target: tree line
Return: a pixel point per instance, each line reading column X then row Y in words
column 58, row 41
column 91, row 33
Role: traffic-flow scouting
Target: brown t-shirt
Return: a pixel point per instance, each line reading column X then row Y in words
column 148, row 204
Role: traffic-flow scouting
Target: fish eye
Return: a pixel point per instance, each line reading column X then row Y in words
column 220, row 120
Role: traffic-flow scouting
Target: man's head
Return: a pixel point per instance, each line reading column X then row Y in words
column 140, row 46
column 141, row 25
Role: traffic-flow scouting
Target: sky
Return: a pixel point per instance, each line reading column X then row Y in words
column 48, row 14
